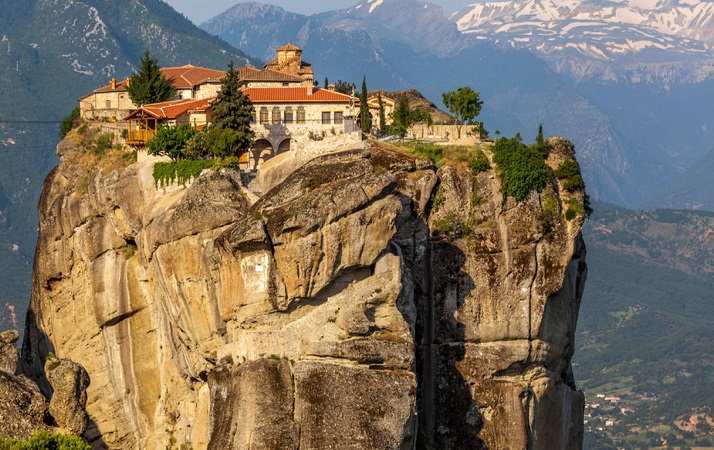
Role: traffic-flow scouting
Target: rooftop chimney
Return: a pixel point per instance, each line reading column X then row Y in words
column 113, row 84
column 310, row 89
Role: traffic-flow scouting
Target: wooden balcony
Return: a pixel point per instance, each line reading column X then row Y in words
column 140, row 137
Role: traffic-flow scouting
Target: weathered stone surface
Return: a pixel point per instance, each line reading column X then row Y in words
column 8, row 351
column 22, row 407
column 69, row 383
column 331, row 313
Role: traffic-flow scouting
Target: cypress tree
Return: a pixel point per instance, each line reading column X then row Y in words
column 149, row 85
column 233, row 110
column 365, row 117
column 327, row 83
column 382, row 116
column 540, row 139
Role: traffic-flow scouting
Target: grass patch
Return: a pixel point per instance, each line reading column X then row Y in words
column 521, row 168
column 45, row 440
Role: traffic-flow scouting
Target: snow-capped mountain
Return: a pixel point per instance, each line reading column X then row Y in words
column 643, row 40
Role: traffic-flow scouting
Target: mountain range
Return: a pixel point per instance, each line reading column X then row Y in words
column 616, row 123
column 640, row 41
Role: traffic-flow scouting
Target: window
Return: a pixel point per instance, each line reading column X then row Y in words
column 263, row 115
column 301, row 115
column 276, row 115
column 338, row 117
column 108, row 104
column 288, row 115
column 326, row 116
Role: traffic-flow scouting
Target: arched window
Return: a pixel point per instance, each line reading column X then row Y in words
column 288, row 115
column 276, row 115
column 263, row 115
column 300, row 115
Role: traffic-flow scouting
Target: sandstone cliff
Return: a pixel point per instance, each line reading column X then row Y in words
column 345, row 308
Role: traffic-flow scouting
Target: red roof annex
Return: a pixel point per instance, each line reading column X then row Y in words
column 172, row 109
column 295, row 95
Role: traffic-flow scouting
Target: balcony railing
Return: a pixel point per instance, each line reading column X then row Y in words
column 140, row 137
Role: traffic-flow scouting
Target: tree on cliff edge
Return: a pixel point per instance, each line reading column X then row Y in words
column 149, row 85
column 465, row 104
column 233, row 110
column 365, row 117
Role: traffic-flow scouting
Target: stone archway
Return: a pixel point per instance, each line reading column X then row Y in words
column 262, row 151
column 284, row 146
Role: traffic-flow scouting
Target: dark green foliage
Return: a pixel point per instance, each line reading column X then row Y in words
column 540, row 138
column 401, row 118
column 464, row 103
column 452, row 227
column 181, row 171
column 382, row 115
column 225, row 142
column 69, row 122
column 327, row 83
column 233, row 110
column 171, row 141
column 43, row 440
column 149, row 85
column 575, row 209
column 569, row 172
column 479, row 162
column 365, row 117
column 345, row 87
column 521, row 168
column 103, row 143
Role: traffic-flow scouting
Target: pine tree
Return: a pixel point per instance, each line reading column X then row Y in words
column 327, row 83
column 149, row 85
column 540, row 139
column 382, row 116
column 233, row 110
column 365, row 117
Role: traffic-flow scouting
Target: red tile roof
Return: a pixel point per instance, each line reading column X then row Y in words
column 294, row 95
column 248, row 73
column 176, row 108
column 188, row 76
column 173, row 109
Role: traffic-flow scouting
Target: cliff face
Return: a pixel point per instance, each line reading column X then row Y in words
column 344, row 308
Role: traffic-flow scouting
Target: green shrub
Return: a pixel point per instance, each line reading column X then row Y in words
column 438, row 200
column 551, row 210
column 171, row 141
column 479, row 162
column 452, row 227
column 182, row 171
column 103, row 143
column 522, row 168
column 223, row 142
column 69, row 122
column 569, row 173
column 575, row 209
column 43, row 440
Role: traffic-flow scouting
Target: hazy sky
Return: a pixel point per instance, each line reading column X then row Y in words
column 201, row 10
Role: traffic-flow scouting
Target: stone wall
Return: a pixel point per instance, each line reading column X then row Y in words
column 445, row 134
